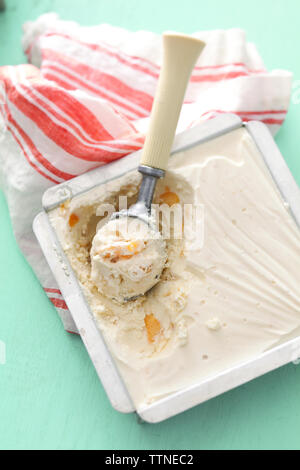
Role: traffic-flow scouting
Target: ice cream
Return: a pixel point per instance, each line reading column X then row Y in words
column 216, row 305
column 127, row 258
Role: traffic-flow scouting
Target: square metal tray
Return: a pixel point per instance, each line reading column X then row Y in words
column 83, row 318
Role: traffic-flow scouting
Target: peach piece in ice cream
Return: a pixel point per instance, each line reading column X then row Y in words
column 153, row 327
column 73, row 219
column 169, row 198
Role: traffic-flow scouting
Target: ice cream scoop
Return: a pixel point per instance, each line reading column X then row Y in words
column 127, row 258
column 131, row 264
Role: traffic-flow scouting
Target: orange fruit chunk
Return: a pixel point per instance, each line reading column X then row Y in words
column 116, row 253
column 73, row 219
column 153, row 327
column 169, row 198
column 133, row 247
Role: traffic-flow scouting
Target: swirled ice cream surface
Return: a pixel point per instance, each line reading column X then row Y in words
column 219, row 302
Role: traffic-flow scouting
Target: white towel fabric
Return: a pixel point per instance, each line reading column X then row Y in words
column 86, row 98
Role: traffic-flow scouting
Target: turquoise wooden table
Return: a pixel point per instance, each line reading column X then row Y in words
column 50, row 397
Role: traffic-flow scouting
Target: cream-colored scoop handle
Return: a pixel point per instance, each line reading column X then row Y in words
column 180, row 53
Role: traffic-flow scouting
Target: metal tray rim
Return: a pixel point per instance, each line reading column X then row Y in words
column 198, row 393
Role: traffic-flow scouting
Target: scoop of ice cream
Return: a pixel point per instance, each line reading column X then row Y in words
column 127, row 258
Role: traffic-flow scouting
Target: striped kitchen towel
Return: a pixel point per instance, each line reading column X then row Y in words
column 85, row 98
